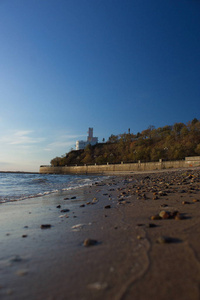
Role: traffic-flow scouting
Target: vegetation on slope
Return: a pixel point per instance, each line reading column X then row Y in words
column 168, row 142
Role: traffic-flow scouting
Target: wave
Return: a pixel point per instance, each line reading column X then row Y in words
column 26, row 187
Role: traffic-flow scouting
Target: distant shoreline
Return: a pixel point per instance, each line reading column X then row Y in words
column 18, row 172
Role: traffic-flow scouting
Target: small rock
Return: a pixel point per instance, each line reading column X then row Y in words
column 66, row 199
column 22, row 272
column 163, row 240
column 107, row 206
column 98, row 286
column 151, row 225
column 164, row 214
column 161, row 193
column 82, row 205
column 195, row 200
column 74, row 197
column 64, row 216
column 65, row 210
column 58, row 206
column 45, row 226
column 185, row 202
column 156, row 217
column 89, row 242
column 77, row 227
column 16, row 258
column 166, row 240
column 24, row 235
column 178, row 217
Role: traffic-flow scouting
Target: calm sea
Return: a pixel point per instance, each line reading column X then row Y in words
column 19, row 186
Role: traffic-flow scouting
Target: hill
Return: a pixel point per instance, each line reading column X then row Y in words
column 168, row 142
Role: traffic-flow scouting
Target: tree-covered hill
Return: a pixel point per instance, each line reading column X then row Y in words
column 168, row 142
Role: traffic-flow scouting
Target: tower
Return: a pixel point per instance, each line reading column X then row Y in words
column 90, row 134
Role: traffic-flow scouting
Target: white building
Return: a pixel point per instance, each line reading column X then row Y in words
column 90, row 140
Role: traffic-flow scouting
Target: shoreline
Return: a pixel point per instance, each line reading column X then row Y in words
column 129, row 259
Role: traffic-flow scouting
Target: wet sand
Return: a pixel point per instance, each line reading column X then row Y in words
column 134, row 253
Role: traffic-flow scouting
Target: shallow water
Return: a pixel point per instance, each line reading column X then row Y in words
column 19, row 186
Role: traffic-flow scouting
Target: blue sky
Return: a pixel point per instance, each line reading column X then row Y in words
column 66, row 65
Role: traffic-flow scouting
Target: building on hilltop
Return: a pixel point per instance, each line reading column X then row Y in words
column 90, row 140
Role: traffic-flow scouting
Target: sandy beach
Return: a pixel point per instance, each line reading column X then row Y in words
column 135, row 236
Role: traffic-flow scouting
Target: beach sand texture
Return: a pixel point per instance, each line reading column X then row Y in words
column 132, row 237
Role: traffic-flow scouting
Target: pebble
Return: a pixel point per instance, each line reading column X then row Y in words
column 63, row 216
column 77, row 227
column 74, row 197
column 16, row 258
column 22, row 272
column 89, row 242
column 195, row 200
column 160, row 193
column 167, row 240
column 178, row 217
column 45, row 226
column 24, row 235
column 156, row 217
column 58, row 206
column 98, row 286
column 185, row 202
column 164, row 240
column 151, row 225
column 65, row 210
column 82, row 205
column 164, row 214
column 107, row 206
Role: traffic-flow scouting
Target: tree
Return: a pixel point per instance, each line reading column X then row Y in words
column 113, row 138
column 55, row 162
column 194, row 121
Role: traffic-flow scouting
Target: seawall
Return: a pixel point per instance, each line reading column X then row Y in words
column 193, row 161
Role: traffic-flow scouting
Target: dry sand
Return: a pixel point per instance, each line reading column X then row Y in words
column 132, row 256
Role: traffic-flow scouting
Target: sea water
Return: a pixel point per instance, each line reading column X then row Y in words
column 19, row 186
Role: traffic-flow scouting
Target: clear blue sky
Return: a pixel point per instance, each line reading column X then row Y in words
column 66, row 65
